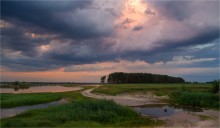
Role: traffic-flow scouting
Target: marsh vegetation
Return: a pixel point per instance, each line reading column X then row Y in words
column 81, row 111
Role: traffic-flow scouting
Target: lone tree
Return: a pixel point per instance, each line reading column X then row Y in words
column 103, row 79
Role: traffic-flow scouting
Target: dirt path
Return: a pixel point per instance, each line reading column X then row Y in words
column 127, row 100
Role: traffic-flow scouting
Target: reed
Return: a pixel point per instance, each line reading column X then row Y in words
column 196, row 99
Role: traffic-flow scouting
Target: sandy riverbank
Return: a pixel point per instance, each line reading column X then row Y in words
column 127, row 100
column 178, row 120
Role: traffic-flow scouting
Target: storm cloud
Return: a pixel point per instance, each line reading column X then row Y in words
column 48, row 35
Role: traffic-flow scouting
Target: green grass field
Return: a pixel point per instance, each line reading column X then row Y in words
column 81, row 113
column 14, row 100
column 157, row 89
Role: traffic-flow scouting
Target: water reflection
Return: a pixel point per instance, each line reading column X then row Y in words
column 16, row 88
column 36, row 89
column 162, row 111
column 17, row 110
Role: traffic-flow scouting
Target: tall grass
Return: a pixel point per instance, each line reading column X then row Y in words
column 94, row 112
column 196, row 99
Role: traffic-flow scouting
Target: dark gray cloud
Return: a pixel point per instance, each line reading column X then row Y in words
column 30, row 64
column 182, row 10
column 137, row 28
column 201, row 38
column 64, row 51
column 16, row 38
column 166, row 49
column 45, row 14
column 47, row 17
column 178, row 10
column 112, row 12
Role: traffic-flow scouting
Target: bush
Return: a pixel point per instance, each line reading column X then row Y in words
column 215, row 86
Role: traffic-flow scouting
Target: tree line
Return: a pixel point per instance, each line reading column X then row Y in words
column 122, row 78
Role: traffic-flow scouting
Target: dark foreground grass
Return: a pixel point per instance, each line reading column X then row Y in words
column 196, row 99
column 81, row 113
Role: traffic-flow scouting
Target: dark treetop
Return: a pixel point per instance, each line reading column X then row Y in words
column 120, row 77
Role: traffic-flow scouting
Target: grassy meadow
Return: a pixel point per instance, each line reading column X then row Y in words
column 88, row 112
column 13, row 100
column 157, row 89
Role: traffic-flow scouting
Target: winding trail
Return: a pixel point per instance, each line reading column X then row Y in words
column 123, row 100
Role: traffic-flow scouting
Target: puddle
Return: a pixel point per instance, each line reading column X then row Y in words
column 37, row 89
column 17, row 110
column 163, row 111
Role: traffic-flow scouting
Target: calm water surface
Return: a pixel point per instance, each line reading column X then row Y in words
column 17, row 110
column 37, row 89
column 162, row 111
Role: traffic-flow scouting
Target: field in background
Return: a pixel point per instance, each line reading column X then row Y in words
column 157, row 89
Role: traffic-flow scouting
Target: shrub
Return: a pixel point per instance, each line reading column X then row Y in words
column 215, row 86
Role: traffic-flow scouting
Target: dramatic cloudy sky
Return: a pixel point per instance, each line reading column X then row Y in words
column 79, row 40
